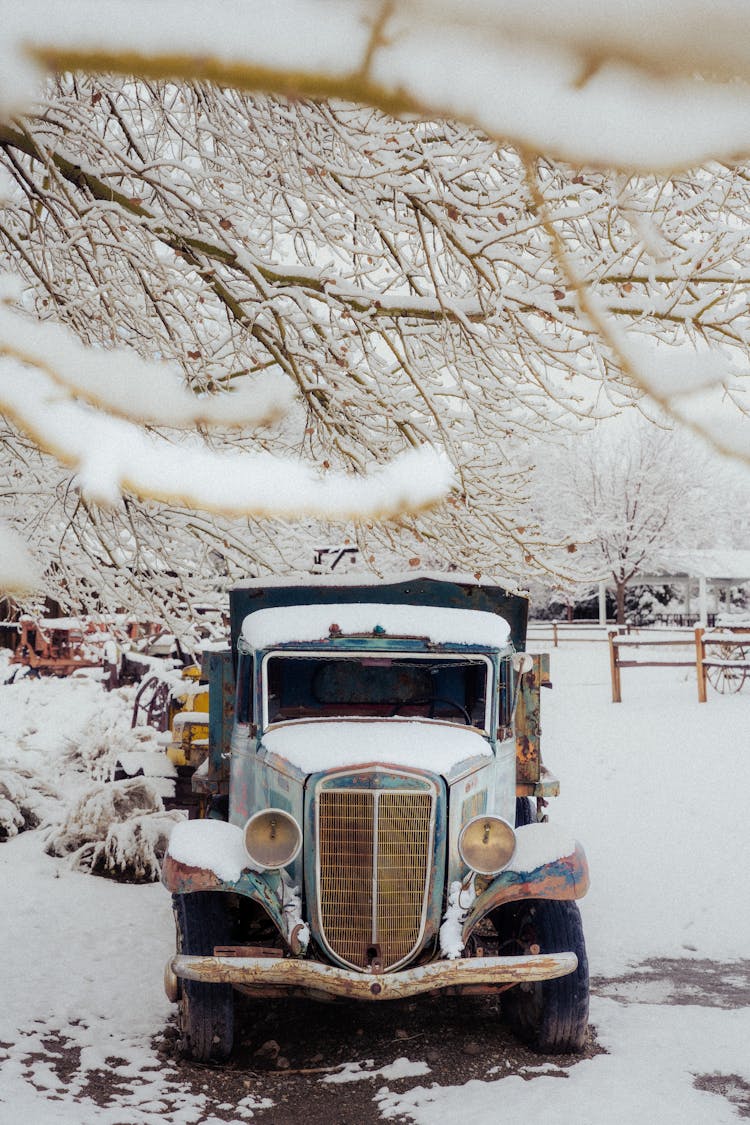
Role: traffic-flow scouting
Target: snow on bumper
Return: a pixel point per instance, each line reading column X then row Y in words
column 271, row 975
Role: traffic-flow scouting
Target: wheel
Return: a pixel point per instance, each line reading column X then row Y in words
column 525, row 812
column 727, row 680
column 550, row 1015
column 152, row 698
column 206, row 1013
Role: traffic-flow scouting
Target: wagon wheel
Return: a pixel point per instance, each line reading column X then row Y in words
column 728, row 680
column 152, row 698
column 742, row 653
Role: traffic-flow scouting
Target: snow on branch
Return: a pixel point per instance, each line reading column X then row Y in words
column 19, row 573
column 631, row 85
column 124, row 385
column 111, row 455
column 410, row 279
column 698, row 386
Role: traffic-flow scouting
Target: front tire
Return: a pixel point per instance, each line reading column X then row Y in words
column 525, row 812
column 550, row 1015
column 206, row 1013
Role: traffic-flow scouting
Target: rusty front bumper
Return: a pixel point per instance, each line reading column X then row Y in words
column 269, row 976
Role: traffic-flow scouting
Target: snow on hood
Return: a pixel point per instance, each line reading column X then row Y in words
column 267, row 627
column 427, row 745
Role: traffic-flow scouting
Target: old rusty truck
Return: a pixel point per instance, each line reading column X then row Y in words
column 375, row 822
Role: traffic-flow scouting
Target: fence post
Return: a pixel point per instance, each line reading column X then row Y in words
column 554, row 634
column 700, row 668
column 614, row 668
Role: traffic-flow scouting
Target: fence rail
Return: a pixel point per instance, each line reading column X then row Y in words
column 557, row 631
column 726, row 672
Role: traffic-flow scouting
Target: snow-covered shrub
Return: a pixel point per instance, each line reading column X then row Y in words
column 118, row 829
column 24, row 801
column 107, row 738
column 133, row 849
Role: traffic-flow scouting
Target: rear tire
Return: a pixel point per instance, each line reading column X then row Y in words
column 206, row 1014
column 525, row 812
column 551, row 1015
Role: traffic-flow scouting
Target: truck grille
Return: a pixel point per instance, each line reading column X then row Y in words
column 374, row 866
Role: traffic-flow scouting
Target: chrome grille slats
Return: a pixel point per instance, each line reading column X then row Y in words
column 402, row 869
column 374, row 861
column 345, row 862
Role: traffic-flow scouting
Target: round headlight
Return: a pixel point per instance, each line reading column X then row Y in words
column 272, row 838
column 487, row 844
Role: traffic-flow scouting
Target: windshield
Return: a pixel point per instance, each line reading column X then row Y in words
column 450, row 688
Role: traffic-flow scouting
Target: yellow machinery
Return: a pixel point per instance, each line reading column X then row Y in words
column 188, row 721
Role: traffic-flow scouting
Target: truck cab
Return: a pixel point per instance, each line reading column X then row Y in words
column 372, row 754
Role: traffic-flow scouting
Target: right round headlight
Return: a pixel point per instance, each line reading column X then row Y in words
column 272, row 838
column 487, row 844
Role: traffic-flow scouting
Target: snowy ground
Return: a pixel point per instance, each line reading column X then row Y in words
column 653, row 787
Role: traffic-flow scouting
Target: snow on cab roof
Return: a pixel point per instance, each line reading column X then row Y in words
column 439, row 625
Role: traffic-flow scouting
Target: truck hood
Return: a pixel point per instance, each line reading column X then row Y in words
column 315, row 746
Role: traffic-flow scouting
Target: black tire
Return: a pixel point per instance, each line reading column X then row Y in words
column 525, row 812
column 206, row 1013
column 552, row 1015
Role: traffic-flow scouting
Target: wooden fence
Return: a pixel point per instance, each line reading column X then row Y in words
column 719, row 658
column 569, row 631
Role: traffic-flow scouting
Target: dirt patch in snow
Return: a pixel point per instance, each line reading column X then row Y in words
column 677, row 980
column 730, row 1086
column 286, row 1050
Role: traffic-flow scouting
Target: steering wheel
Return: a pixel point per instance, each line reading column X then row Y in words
column 431, row 702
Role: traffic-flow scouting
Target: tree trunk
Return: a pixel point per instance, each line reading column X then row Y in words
column 620, row 595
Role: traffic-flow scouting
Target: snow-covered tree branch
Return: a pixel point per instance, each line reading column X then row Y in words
column 391, row 284
column 619, row 85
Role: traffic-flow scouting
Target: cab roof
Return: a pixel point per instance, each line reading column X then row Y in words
column 315, row 622
column 415, row 589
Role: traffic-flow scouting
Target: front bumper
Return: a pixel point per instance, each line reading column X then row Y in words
column 271, row 976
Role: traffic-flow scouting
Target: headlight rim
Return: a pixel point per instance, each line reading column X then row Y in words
column 484, row 817
column 286, row 817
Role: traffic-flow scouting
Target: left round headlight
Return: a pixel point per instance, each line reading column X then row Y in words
column 272, row 838
column 487, row 844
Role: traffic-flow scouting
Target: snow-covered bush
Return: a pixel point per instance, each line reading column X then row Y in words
column 133, row 849
column 118, row 829
column 24, row 802
column 105, row 741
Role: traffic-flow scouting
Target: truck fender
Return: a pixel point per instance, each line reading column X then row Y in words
column 565, row 877
column 270, row 888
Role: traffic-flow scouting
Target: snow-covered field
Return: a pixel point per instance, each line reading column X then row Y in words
column 654, row 788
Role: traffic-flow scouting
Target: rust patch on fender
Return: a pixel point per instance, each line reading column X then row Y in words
column 179, row 878
column 566, row 878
